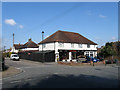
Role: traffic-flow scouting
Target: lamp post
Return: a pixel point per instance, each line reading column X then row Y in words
column 13, row 41
column 42, row 39
column 42, row 44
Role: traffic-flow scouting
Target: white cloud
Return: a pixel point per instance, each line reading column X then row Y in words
column 21, row 26
column 102, row 16
column 10, row 22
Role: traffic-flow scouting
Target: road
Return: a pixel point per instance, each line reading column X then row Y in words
column 52, row 75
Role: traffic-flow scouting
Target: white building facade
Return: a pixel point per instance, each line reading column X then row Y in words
column 68, row 46
column 89, row 50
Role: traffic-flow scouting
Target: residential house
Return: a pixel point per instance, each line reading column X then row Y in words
column 30, row 46
column 68, row 45
column 16, row 48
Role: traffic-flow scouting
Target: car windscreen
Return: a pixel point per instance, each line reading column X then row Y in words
column 15, row 55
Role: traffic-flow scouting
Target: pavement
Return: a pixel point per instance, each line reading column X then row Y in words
column 10, row 72
column 52, row 75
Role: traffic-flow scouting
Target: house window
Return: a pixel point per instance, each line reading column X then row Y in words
column 91, row 54
column 44, row 45
column 80, row 45
column 88, row 45
column 72, row 45
column 87, row 53
column 61, row 44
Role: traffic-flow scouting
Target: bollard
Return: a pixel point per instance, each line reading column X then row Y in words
column 93, row 63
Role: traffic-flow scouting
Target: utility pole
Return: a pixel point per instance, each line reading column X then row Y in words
column 42, row 39
column 42, row 45
column 4, row 48
column 13, row 42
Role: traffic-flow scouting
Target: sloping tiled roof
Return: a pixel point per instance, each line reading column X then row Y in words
column 18, row 46
column 67, row 37
column 30, row 44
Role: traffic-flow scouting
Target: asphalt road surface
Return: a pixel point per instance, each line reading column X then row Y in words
column 52, row 75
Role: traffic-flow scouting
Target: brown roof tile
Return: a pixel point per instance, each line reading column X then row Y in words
column 30, row 44
column 18, row 46
column 67, row 37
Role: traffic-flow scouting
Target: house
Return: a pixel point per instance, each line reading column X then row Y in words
column 8, row 50
column 68, row 45
column 29, row 46
column 16, row 48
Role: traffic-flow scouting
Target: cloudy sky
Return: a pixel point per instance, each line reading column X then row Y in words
column 94, row 20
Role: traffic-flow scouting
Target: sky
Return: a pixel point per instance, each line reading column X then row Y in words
column 97, row 21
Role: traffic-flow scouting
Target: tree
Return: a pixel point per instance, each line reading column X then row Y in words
column 107, row 50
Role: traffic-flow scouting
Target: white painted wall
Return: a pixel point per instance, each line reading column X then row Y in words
column 66, row 46
column 48, row 46
column 26, row 49
column 14, row 50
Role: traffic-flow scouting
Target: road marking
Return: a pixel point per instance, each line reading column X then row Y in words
column 56, row 73
column 22, row 71
column 15, row 81
column 28, row 79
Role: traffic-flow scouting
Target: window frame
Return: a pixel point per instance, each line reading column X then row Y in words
column 61, row 44
column 88, row 45
column 80, row 45
column 72, row 45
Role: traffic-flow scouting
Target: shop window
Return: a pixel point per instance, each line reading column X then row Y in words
column 87, row 53
column 91, row 54
column 74, row 56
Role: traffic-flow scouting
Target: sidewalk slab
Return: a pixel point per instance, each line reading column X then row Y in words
column 10, row 72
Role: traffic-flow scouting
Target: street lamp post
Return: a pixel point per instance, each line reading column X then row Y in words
column 42, row 39
column 42, row 45
column 13, row 41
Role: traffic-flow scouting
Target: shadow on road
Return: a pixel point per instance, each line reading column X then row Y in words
column 4, row 68
column 71, row 81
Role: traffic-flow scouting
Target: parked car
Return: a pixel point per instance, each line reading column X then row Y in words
column 14, row 57
column 115, row 61
column 95, row 59
column 88, row 59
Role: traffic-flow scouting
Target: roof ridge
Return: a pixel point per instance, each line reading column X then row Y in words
column 66, row 36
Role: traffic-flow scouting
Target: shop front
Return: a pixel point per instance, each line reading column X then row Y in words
column 70, row 55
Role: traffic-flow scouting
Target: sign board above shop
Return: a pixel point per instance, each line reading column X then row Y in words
column 72, row 51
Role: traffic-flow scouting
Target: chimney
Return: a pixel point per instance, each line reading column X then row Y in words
column 30, row 39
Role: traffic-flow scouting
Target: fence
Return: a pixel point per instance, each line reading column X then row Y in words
column 45, row 56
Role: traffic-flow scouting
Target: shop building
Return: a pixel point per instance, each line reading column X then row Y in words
column 68, row 46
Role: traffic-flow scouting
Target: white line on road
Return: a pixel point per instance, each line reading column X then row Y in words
column 28, row 79
column 55, row 73
column 22, row 71
column 15, row 81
